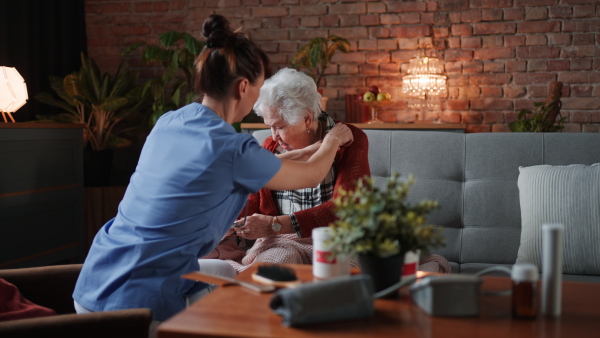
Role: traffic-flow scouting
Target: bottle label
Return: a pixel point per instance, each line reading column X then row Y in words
column 325, row 257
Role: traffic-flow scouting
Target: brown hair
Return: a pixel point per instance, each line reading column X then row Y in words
column 227, row 56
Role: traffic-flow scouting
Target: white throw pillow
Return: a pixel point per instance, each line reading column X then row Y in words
column 562, row 194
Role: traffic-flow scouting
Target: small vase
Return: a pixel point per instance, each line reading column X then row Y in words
column 385, row 272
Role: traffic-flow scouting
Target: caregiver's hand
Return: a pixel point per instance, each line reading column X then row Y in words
column 257, row 226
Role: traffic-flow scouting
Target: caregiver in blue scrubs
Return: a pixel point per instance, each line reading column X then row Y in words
column 191, row 182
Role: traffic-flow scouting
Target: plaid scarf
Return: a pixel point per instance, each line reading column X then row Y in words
column 289, row 201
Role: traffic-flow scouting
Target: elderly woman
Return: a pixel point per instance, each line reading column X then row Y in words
column 282, row 220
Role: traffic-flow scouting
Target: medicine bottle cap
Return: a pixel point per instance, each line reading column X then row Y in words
column 525, row 272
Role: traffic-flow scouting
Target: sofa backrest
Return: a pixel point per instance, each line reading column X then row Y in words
column 474, row 179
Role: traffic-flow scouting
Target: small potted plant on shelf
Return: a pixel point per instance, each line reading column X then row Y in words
column 380, row 227
column 315, row 57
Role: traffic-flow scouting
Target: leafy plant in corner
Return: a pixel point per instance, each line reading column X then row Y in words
column 380, row 222
column 101, row 102
column 315, row 56
column 174, row 88
column 542, row 119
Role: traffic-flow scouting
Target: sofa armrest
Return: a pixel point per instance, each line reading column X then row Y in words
column 130, row 323
column 49, row 286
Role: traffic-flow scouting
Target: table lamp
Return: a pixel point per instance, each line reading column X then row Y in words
column 13, row 92
column 424, row 83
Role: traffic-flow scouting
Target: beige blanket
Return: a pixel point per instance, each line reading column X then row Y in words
column 288, row 248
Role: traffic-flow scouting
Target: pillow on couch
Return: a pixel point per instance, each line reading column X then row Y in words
column 562, row 194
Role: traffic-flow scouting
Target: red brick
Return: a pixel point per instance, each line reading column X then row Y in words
column 378, row 57
column 490, row 3
column 490, row 79
column 500, row 128
column 494, row 53
column 493, row 117
column 471, row 16
column 379, row 32
column 580, row 117
column 390, row 19
column 352, row 57
column 399, row 7
column 461, row 30
column 376, row 8
column 289, row 22
column 538, row 27
column 583, row 39
column 524, row 104
column 491, row 92
column 514, row 91
column 387, row 44
column 454, row 42
column 471, row 117
column 470, row 42
column 449, row 117
column 538, row 52
column 536, row 13
column 536, row 92
column 351, row 32
column 410, row 31
column 458, row 55
column 354, row 8
column 514, row 40
column 367, row 44
column 454, row 17
column 259, row 12
column 529, row 78
column 270, row 35
column 578, row 52
column 369, row 20
column 162, row 6
column 581, row 91
column 572, row 128
column 453, row 67
column 514, row 14
column 428, row 18
column 537, row 65
column 389, row 69
column 486, row 28
column 559, row 39
column 457, row 104
column 309, row 21
column 458, row 80
column 536, row 40
column 472, row 67
column 490, row 41
column 491, row 104
column 176, row 5
column 591, row 128
column 493, row 67
column 140, row 7
column 494, row 14
column 583, row 11
column 511, row 116
column 410, row 18
column 558, row 65
column 349, row 20
column 533, row 3
column 581, row 64
column 561, row 12
column 348, row 69
column 308, row 10
column 453, row 5
column 297, row 34
column 368, row 68
column 582, row 103
column 596, row 116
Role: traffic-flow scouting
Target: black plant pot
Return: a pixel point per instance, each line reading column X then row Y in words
column 385, row 272
column 97, row 167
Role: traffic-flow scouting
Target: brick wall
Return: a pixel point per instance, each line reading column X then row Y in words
column 500, row 55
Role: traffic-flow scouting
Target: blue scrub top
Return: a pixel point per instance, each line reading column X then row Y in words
column 191, row 182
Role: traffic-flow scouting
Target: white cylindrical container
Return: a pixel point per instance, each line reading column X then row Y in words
column 552, row 252
column 325, row 264
column 411, row 264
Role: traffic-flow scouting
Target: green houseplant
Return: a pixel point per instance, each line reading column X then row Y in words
column 381, row 226
column 174, row 88
column 107, row 107
column 545, row 117
column 315, row 56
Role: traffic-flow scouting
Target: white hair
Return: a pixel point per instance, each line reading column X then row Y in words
column 289, row 93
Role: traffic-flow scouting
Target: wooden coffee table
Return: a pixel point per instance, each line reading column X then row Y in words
column 233, row 311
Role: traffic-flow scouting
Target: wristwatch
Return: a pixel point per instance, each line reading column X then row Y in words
column 276, row 226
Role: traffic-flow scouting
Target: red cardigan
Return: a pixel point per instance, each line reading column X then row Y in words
column 351, row 163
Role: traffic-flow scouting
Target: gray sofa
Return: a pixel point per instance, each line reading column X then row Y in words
column 474, row 178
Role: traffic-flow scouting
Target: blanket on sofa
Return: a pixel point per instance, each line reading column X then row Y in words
column 288, row 248
column 14, row 306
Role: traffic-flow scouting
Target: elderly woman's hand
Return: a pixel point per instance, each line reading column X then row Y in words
column 342, row 133
column 257, row 226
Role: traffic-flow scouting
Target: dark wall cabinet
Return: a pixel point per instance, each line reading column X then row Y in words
column 41, row 194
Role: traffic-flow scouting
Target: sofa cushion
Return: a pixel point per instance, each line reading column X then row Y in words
column 562, row 194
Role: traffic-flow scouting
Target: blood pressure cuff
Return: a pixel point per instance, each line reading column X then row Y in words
column 341, row 298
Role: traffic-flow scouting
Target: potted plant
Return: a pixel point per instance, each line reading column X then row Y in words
column 315, row 56
column 103, row 104
column 380, row 227
column 545, row 117
column 174, row 88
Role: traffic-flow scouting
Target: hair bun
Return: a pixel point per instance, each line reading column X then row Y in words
column 216, row 30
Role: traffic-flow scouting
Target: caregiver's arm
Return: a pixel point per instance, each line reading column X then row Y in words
column 304, row 174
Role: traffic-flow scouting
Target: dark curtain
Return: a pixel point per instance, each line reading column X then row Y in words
column 41, row 38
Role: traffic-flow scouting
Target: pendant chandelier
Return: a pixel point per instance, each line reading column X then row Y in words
column 425, row 82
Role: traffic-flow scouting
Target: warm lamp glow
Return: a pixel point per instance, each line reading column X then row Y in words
column 13, row 92
column 425, row 83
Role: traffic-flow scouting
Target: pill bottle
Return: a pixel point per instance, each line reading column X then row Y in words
column 524, row 291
